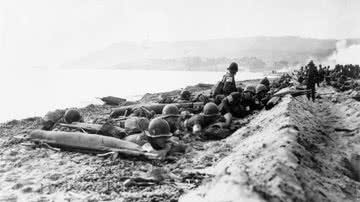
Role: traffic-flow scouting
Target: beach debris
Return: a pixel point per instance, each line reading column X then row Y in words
column 90, row 143
column 111, row 100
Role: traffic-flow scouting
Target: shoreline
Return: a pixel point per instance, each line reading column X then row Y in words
column 141, row 100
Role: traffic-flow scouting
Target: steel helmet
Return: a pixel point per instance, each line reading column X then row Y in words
column 250, row 88
column 211, row 109
column 158, row 127
column 260, row 88
column 170, row 110
column 72, row 115
column 185, row 95
column 233, row 67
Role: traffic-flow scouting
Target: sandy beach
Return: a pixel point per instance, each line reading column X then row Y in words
column 297, row 151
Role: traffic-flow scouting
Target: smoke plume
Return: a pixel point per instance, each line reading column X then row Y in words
column 345, row 54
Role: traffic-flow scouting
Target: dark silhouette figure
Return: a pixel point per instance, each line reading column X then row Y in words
column 311, row 78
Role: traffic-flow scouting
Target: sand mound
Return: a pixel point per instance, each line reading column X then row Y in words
column 299, row 151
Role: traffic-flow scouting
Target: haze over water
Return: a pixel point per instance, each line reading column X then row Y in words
column 33, row 92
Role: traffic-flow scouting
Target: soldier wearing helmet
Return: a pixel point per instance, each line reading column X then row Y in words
column 185, row 95
column 210, row 115
column 227, row 84
column 157, row 138
column 171, row 115
column 311, row 79
column 210, row 124
column 249, row 98
column 262, row 95
column 157, row 134
column 229, row 79
column 265, row 81
column 232, row 104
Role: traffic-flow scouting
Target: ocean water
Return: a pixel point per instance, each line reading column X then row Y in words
column 33, row 92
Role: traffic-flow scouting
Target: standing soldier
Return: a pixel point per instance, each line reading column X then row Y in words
column 227, row 84
column 311, row 80
column 229, row 79
column 357, row 71
column 321, row 74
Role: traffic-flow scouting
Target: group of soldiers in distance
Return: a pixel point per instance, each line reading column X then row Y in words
column 168, row 132
column 341, row 77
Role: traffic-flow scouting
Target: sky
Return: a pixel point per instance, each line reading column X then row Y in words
column 49, row 33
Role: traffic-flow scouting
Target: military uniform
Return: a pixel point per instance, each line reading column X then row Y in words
column 232, row 104
column 262, row 95
column 249, row 99
column 209, row 124
column 229, row 84
column 201, row 120
column 311, row 80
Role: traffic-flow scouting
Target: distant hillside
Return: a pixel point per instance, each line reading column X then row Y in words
column 256, row 53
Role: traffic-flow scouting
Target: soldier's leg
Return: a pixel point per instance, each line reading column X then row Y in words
column 313, row 93
column 308, row 93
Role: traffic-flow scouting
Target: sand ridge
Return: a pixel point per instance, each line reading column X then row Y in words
column 298, row 151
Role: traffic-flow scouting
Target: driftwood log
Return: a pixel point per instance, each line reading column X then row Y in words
column 156, row 107
column 91, row 143
column 111, row 100
column 105, row 129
